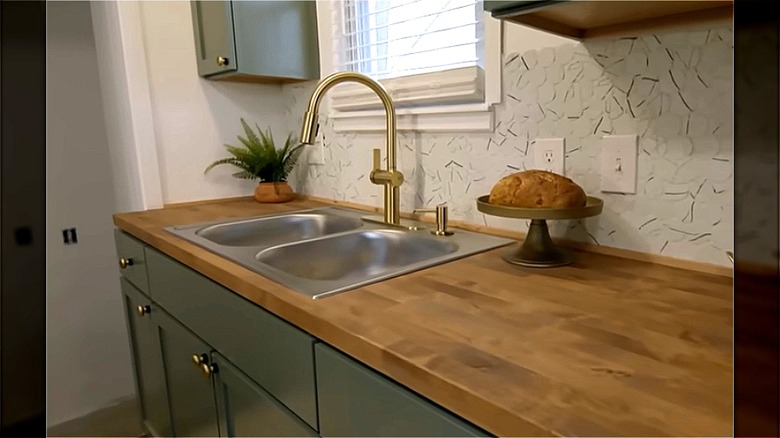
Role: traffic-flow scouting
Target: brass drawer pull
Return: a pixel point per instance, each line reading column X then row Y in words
column 208, row 370
column 125, row 262
column 222, row 61
column 143, row 310
column 200, row 359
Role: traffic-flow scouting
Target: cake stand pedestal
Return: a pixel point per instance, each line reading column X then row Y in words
column 538, row 249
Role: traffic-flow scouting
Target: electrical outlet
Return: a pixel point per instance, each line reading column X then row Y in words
column 315, row 153
column 549, row 154
column 69, row 236
column 618, row 163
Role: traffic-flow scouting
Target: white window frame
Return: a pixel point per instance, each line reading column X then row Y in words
column 346, row 103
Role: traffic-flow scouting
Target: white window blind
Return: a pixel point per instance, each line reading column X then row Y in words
column 425, row 52
column 395, row 38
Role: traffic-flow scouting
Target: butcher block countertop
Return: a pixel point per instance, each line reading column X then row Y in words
column 606, row 346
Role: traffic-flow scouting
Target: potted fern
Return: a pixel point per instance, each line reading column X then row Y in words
column 258, row 158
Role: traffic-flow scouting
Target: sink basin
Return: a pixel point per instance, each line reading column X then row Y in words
column 324, row 251
column 355, row 256
column 268, row 231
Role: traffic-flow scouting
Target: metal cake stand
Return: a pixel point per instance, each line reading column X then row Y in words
column 538, row 249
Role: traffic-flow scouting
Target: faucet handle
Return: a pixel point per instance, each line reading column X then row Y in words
column 441, row 219
column 391, row 177
column 377, row 159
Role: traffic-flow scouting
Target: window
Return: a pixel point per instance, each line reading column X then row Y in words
column 435, row 57
column 394, row 38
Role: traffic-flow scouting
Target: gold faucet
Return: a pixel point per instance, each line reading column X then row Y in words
column 390, row 178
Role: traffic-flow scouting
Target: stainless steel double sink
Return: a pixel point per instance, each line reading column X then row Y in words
column 324, row 251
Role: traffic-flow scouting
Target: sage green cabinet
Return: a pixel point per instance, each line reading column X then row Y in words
column 147, row 364
column 272, row 352
column 256, row 40
column 357, row 401
column 210, row 363
column 190, row 387
column 247, row 410
column 215, row 48
column 209, row 396
column 132, row 261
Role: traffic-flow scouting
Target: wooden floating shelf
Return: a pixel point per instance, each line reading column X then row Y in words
column 588, row 19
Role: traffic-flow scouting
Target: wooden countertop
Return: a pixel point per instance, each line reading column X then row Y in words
column 606, row 346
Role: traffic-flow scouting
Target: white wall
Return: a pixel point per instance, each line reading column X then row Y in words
column 165, row 123
column 88, row 357
column 194, row 117
column 125, row 93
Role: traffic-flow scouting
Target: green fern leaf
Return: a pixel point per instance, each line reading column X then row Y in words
column 241, row 154
column 244, row 175
column 292, row 158
column 249, row 133
column 230, row 160
column 257, row 156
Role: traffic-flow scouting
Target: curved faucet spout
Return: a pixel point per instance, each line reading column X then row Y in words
column 390, row 178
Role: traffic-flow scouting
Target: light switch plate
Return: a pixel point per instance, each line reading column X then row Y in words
column 618, row 163
column 549, row 155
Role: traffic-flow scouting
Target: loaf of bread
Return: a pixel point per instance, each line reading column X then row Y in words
column 537, row 189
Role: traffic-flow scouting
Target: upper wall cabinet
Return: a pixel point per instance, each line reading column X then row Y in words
column 585, row 19
column 256, row 41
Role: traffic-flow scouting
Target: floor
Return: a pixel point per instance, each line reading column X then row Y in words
column 120, row 420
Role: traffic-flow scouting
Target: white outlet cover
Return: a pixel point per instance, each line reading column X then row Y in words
column 549, row 154
column 618, row 163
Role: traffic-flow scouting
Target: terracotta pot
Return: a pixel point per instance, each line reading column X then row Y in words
column 274, row 192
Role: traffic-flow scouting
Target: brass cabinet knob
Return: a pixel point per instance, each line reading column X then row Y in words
column 207, row 370
column 222, row 61
column 125, row 262
column 199, row 359
column 143, row 310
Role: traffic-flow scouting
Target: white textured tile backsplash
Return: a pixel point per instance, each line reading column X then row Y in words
column 674, row 90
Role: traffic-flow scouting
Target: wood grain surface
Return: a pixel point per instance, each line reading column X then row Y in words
column 606, row 346
column 589, row 19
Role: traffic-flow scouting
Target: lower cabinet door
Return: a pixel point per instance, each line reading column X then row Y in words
column 247, row 410
column 188, row 373
column 354, row 400
column 147, row 364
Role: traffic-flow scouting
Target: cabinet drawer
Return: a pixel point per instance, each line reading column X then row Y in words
column 132, row 252
column 357, row 401
column 273, row 353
